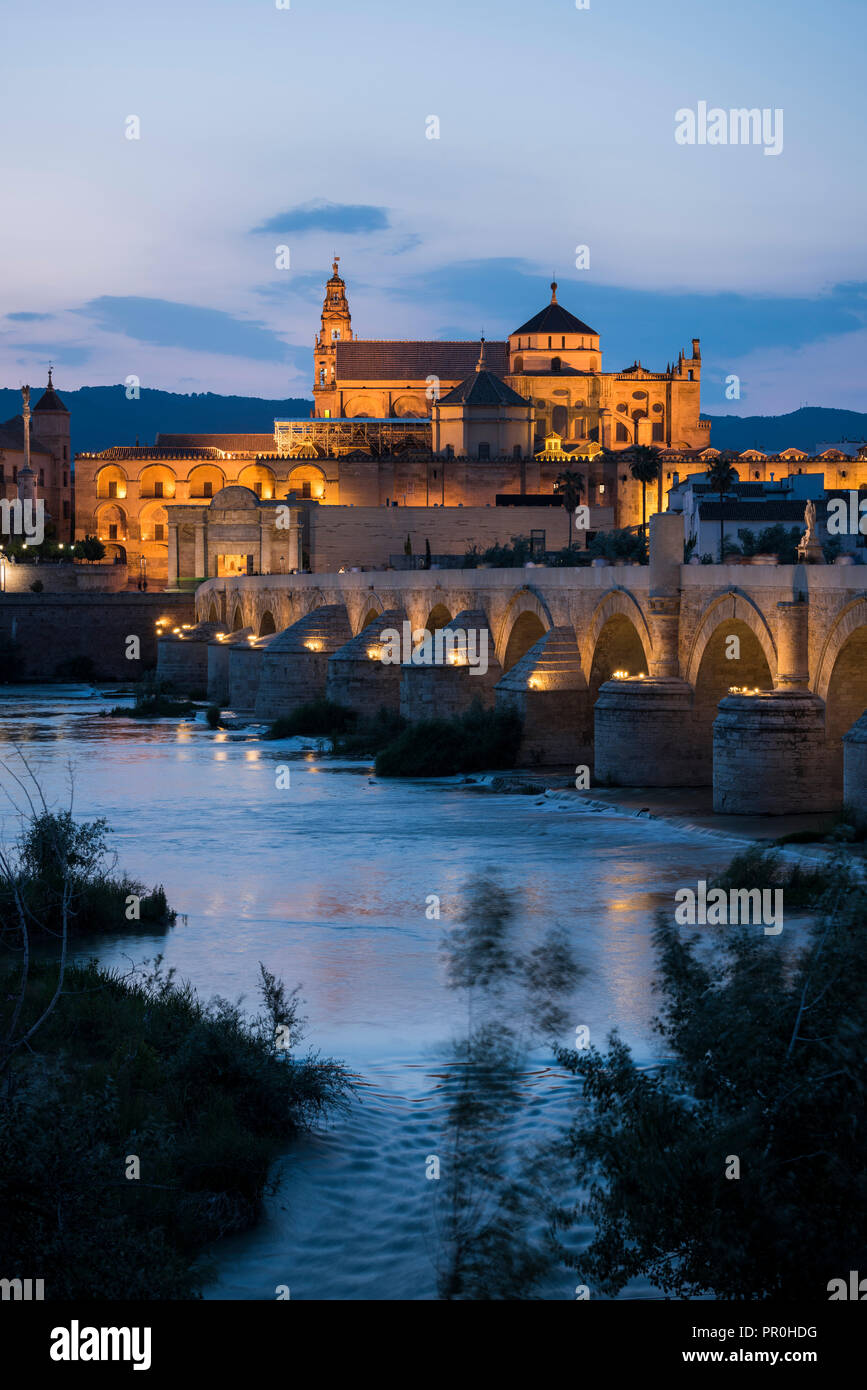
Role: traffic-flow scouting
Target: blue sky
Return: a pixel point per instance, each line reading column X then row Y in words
column 305, row 127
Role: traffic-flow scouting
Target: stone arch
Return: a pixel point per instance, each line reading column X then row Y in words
column 199, row 477
column 363, row 408
column 214, row 610
column 842, row 676
column 109, row 514
column 260, row 479
column 151, row 515
column 409, row 407
column 733, row 607
column 438, row 616
column 308, row 480
column 618, row 647
column 529, row 601
column 267, row 624
column 372, row 607
column 846, row 623
column 157, row 480
column 237, row 618
column 617, row 603
column 111, row 473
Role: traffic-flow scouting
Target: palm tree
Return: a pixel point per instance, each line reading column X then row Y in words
column 721, row 477
column 569, row 486
column 645, row 467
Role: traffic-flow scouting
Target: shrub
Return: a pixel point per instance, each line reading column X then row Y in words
column 477, row 740
column 139, row 1066
column 324, row 718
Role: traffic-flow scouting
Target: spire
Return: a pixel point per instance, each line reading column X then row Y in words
column 480, row 365
column 554, row 291
column 49, row 376
column 335, row 266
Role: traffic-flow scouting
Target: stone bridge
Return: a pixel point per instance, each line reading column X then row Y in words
column 747, row 676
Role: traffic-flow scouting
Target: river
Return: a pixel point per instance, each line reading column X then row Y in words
column 326, row 881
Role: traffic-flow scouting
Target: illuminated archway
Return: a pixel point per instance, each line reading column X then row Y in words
column 526, row 632
column 267, row 624
column 618, row 647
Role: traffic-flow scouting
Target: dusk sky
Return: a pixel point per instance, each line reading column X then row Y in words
column 306, row 127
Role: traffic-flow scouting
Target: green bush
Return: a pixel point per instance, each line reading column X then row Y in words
column 323, row 718
column 478, row 740
column 802, row 885
column 371, row 734
column 201, row 1096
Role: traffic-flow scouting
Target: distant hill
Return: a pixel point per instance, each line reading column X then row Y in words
column 813, row 429
column 102, row 416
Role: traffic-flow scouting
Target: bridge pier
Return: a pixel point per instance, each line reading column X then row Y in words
column 644, row 734
column 218, row 663
column 295, row 668
column 358, row 677
column 246, row 661
column 548, row 690
column 770, row 757
column 182, row 657
column 431, row 689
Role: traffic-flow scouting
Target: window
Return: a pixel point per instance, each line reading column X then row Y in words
column 42, row 476
column 622, row 433
column 484, row 451
column 335, row 335
column 66, row 480
column 549, row 341
column 519, row 364
column 563, row 341
column 159, row 531
column 65, row 454
column 158, row 488
column 14, row 473
column 2, row 475
column 112, row 489
column 305, row 489
column 658, row 436
column 450, row 451
column 66, row 511
column 556, row 364
column 257, row 488
column 207, row 489
column 112, row 531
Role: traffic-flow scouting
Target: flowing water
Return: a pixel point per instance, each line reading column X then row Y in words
column 326, row 881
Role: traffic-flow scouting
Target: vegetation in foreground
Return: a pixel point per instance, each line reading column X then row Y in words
column 352, row 735
column 136, row 1068
column 477, row 741
column 803, row 885
column 737, row 1170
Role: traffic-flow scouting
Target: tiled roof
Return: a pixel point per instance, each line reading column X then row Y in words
column 152, row 451
column 363, row 360
column 12, row 437
column 483, row 388
column 49, row 400
column 228, row 443
column 555, row 319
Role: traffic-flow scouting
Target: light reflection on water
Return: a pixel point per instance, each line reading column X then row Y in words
column 326, row 882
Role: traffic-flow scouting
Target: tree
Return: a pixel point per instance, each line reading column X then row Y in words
column 427, row 555
column 407, row 546
column 569, row 486
column 721, row 477
column 737, row 1167
column 90, row 549
column 645, row 468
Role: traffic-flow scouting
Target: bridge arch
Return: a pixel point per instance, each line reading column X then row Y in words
column 618, row 638
column 841, row 680
column 237, row 617
column 371, row 608
column 740, row 611
column 213, row 610
column 526, row 619
column 438, row 616
column 267, row 624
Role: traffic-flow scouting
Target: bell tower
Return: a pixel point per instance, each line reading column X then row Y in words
column 336, row 327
